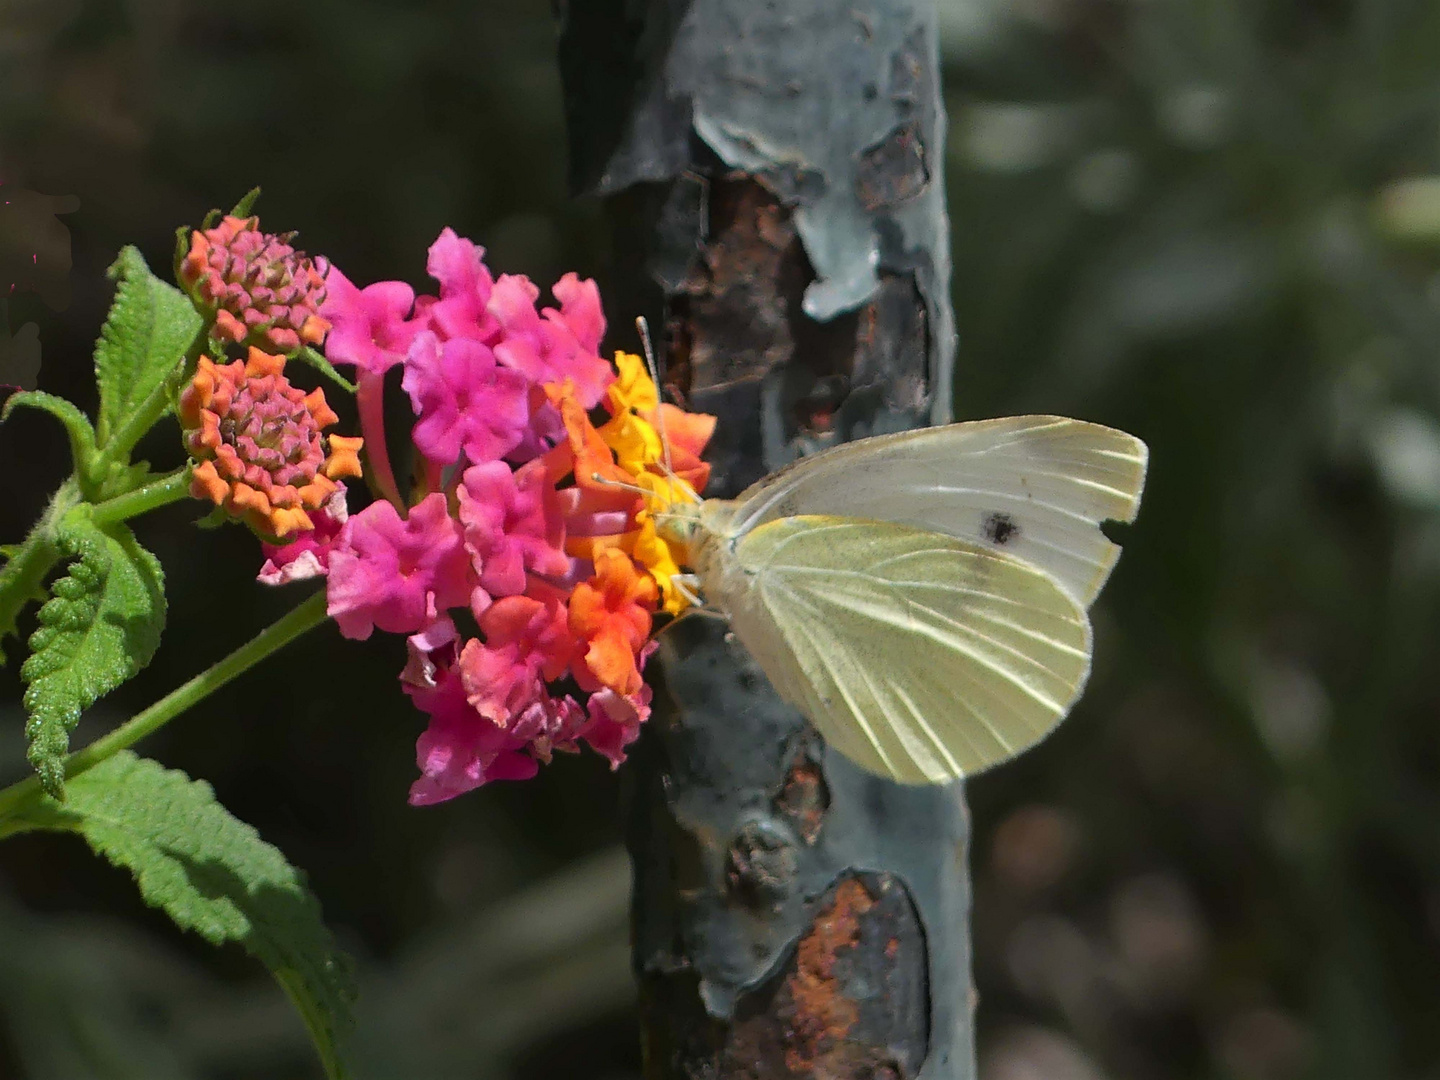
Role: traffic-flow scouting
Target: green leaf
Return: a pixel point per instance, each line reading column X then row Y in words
column 319, row 363
column 145, row 338
column 100, row 626
column 246, row 206
column 182, row 248
column 77, row 424
column 211, row 873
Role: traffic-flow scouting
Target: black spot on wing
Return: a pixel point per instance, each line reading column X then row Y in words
column 1000, row 529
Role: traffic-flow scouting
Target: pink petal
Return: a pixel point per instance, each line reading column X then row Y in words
column 464, row 401
column 396, row 575
column 370, row 326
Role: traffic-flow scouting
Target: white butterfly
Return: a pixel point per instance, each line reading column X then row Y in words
column 922, row 597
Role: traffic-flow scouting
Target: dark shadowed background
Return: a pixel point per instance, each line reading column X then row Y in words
column 1215, row 223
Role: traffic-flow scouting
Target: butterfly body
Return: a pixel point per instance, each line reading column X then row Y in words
column 923, row 597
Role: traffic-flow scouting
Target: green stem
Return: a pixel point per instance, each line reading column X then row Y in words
column 24, row 573
column 307, row 616
column 169, row 488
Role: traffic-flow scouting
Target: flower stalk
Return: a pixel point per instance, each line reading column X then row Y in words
column 172, row 487
column 306, row 616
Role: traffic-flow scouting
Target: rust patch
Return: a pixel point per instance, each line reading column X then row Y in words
column 736, row 331
column 823, row 1013
column 731, row 319
column 804, row 797
column 893, row 170
column 852, row 1002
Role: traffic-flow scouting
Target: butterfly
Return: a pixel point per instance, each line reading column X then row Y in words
column 923, row 597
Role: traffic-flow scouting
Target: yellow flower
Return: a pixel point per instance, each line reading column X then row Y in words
column 635, row 442
column 633, row 388
column 631, row 434
column 663, row 492
column 656, row 556
column 633, row 438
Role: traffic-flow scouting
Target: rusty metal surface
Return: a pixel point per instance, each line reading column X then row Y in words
column 782, row 894
column 774, row 173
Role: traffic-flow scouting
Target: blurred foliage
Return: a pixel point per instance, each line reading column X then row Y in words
column 1211, row 222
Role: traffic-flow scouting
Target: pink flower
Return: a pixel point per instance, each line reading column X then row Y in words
column 308, row 556
column 549, row 724
column 580, row 310
column 370, row 327
column 525, row 640
column 428, row 650
column 596, row 511
column 561, row 345
column 465, row 285
column 397, row 575
column 512, row 524
column 464, row 400
column 545, row 428
column 615, row 720
column 460, row 750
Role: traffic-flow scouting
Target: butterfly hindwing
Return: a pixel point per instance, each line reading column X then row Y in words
column 922, row 657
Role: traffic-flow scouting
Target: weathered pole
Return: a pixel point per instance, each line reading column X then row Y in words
column 774, row 176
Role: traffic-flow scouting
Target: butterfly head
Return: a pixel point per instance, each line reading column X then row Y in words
column 678, row 522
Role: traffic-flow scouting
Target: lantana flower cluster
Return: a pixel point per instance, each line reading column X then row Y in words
column 261, row 453
column 521, row 566
column 255, row 287
column 259, row 445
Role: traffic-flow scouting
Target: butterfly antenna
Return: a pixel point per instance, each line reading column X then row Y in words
column 650, row 362
column 611, row 482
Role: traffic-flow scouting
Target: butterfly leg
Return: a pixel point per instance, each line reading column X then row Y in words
column 685, row 585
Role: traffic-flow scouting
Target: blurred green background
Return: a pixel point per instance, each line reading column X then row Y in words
column 1215, row 223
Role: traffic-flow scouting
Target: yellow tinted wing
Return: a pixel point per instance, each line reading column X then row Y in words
column 920, row 656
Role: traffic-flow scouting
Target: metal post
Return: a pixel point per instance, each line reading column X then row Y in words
column 774, row 175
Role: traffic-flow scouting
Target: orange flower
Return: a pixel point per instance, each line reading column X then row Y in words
column 610, row 614
column 594, row 464
column 258, row 444
column 687, row 433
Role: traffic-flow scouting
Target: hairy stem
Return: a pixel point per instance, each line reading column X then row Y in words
column 169, row 488
column 277, row 635
column 24, row 573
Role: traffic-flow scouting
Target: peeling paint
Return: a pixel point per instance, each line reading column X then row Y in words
column 776, row 173
column 840, row 115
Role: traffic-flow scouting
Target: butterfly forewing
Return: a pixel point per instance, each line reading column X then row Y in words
column 1033, row 487
column 922, row 657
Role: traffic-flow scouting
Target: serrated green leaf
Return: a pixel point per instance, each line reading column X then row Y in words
column 100, row 626
column 145, row 337
column 211, row 873
column 77, row 424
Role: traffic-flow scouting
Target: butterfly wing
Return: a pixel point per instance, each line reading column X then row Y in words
column 1035, row 487
column 921, row 657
